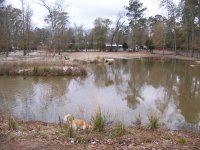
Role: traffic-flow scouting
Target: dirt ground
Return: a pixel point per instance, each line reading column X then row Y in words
column 39, row 135
column 124, row 55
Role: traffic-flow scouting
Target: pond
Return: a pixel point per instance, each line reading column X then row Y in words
column 168, row 87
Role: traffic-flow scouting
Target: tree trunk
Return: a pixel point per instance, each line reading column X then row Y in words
column 199, row 12
column 111, row 43
column 175, row 48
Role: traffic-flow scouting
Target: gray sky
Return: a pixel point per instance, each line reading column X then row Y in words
column 86, row 11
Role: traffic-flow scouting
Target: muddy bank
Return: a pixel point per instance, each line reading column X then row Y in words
column 40, row 135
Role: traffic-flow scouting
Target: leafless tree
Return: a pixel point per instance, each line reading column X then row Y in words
column 118, row 25
column 52, row 17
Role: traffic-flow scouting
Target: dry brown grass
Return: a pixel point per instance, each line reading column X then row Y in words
column 40, row 68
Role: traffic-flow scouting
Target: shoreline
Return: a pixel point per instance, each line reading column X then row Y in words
column 41, row 135
column 69, row 64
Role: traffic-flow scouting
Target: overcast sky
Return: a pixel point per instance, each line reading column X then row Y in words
column 86, row 11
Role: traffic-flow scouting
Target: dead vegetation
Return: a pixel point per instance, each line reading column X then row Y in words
column 37, row 68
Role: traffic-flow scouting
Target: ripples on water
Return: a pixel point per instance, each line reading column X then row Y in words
column 171, row 88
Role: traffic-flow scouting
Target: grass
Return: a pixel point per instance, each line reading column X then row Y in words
column 119, row 129
column 183, row 141
column 68, row 131
column 138, row 121
column 12, row 124
column 40, row 69
column 153, row 121
column 98, row 120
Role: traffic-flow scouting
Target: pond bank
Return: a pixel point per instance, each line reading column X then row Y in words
column 40, row 135
column 40, row 69
column 71, row 64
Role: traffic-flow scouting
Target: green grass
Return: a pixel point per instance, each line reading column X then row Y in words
column 119, row 129
column 98, row 120
column 183, row 141
column 12, row 124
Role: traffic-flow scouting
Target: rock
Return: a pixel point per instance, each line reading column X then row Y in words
column 18, row 133
column 109, row 61
column 72, row 141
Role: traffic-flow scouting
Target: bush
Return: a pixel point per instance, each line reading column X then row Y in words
column 98, row 120
column 12, row 124
column 125, row 46
column 119, row 130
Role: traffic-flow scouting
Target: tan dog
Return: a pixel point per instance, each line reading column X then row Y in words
column 76, row 123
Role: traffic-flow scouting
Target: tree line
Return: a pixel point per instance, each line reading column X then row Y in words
column 178, row 31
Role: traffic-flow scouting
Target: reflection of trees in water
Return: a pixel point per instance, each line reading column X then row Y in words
column 129, row 77
column 189, row 97
column 180, row 82
column 55, row 90
column 102, row 74
column 13, row 88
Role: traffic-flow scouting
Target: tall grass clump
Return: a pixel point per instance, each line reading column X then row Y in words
column 153, row 121
column 138, row 121
column 68, row 131
column 12, row 124
column 98, row 120
column 119, row 129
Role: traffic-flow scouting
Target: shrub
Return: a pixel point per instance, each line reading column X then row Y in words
column 153, row 121
column 98, row 120
column 119, row 130
column 12, row 124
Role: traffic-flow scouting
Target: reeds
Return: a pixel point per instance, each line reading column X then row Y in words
column 12, row 124
column 138, row 121
column 119, row 129
column 98, row 120
column 153, row 121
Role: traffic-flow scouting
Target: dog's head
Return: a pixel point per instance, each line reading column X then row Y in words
column 89, row 126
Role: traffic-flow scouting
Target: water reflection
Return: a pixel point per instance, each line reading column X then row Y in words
column 169, row 87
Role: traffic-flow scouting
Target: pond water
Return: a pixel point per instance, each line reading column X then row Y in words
column 170, row 88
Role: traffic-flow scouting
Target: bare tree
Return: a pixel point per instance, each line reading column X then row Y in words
column 26, row 26
column 52, row 16
column 118, row 25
